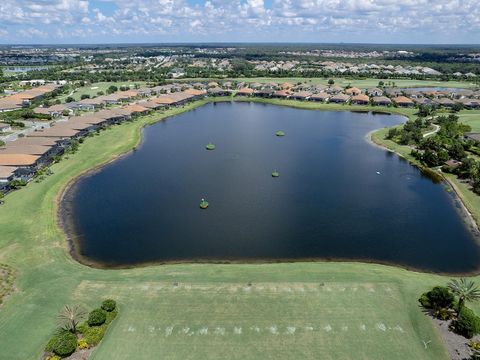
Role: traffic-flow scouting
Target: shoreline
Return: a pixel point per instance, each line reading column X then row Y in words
column 468, row 216
column 64, row 226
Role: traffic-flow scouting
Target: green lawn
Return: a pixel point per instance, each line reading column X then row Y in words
column 292, row 311
column 94, row 88
column 361, row 83
column 471, row 118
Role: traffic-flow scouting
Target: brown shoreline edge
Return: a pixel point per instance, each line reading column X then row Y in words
column 65, row 225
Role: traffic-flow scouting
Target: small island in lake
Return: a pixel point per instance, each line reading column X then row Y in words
column 204, row 204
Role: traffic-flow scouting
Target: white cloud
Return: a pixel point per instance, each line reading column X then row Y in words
column 245, row 20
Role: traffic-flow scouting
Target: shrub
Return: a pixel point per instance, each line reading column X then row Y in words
column 474, row 345
column 53, row 357
column 82, row 344
column 94, row 335
column 467, row 324
column 109, row 305
column 111, row 315
column 444, row 314
column 96, row 317
column 65, row 344
column 82, row 327
column 440, row 297
column 424, row 300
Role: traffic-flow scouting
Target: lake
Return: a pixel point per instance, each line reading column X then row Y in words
column 337, row 196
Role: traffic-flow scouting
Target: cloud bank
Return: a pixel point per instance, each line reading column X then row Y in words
column 95, row 21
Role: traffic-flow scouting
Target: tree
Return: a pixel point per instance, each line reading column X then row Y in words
column 69, row 99
column 380, row 84
column 85, row 96
column 70, row 317
column 466, row 290
column 111, row 89
column 331, row 81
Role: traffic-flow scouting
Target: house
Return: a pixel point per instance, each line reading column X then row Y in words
column 375, row 91
column 281, row 94
column 89, row 104
column 144, row 92
column 381, row 101
column 445, row 102
column 286, row 86
column 244, row 92
column 59, row 132
column 150, row 105
column 301, row 95
column 196, row 93
column 393, row 92
column 424, row 101
column 334, row 89
column 403, row 101
column 256, row 85
column 453, row 164
column 470, row 103
column 353, row 91
column 7, row 174
column 18, row 160
column 318, row 88
column 339, row 98
column 32, row 82
column 136, row 109
column 271, row 85
column 321, row 96
column 218, row 91
column 53, row 111
column 360, row 99
column 472, row 136
column 265, row 93
column 5, row 128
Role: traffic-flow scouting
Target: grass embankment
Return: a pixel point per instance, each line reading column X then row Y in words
column 295, row 310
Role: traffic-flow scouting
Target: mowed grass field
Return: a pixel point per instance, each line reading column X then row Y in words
column 317, row 310
column 93, row 89
column 360, row 83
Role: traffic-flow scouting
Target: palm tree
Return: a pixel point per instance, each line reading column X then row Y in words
column 70, row 317
column 466, row 290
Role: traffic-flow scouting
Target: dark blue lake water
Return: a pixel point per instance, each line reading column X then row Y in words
column 337, row 197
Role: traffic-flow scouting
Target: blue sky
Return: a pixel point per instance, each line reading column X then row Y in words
column 366, row 21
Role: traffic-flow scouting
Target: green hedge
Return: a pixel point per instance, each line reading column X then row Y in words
column 62, row 344
column 467, row 324
column 109, row 305
column 96, row 317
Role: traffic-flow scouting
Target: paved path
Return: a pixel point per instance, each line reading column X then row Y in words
column 435, row 130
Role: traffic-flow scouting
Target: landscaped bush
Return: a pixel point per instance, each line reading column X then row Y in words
column 424, row 300
column 53, row 357
column 111, row 315
column 439, row 297
column 467, row 324
column 82, row 344
column 93, row 335
column 65, row 344
column 109, row 305
column 96, row 317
